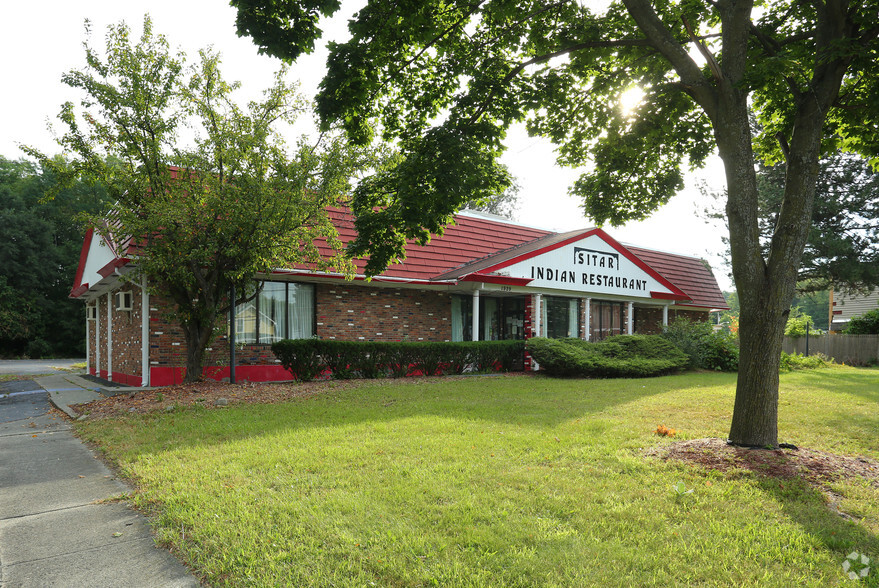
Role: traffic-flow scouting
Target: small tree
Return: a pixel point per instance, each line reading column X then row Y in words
column 866, row 324
column 204, row 189
column 799, row 322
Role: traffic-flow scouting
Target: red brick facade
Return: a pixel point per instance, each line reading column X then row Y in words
column 363, row 313
column 343, row 311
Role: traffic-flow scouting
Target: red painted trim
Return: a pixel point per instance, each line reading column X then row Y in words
column 79, row 291
column 665, row 296
column 489, row 279
column 108, row 269
column 542, row 250
column 607, row 239
column 102, row 374
column 76, row 291
column 169, row 376
column 127, row 379
column 837, row 312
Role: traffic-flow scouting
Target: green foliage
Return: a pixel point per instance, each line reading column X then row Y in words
column 343, row 360
column 797, row 323
column 798, row 361
column 621, row 356
column 866, row 324
column 706, row 348
column 39, row 248
column 213, row 209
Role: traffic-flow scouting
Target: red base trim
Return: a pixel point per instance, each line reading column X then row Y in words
column 127, row 379
column 169, row 376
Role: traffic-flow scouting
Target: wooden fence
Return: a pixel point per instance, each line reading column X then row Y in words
column 850, row 349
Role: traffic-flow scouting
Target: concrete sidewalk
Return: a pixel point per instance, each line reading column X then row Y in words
column 54, row 528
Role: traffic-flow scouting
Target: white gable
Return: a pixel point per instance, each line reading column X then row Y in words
column 588, row 266
column 99, row 255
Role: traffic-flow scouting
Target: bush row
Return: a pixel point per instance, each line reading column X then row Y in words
column 621, row 356
column 342, row 360
column 798, row 361
column 706, row 348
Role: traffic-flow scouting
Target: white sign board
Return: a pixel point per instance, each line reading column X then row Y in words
column 588, row 266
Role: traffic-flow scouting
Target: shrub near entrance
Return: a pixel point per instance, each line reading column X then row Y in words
column 621, row 356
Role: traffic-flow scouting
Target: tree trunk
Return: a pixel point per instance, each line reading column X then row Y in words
column 198, row 335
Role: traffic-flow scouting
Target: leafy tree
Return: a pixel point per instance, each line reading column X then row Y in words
column 447, row 78
column 842, row 249
column 504, row 204
column 204, row 188
column 798, row 322
column 866, row 324
column 40, row 250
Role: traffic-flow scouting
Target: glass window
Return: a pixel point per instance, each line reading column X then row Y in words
column 280, row 311
column 560, row 317
column 606, row 319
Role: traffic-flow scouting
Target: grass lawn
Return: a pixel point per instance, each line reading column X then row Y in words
column 501, row 481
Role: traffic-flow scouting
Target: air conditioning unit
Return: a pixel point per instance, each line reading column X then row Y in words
column 123, row 300
column 91, row 312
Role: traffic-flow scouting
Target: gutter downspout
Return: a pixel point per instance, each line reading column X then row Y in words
column 87, row 338
column 110, row 336
column 144, row 334
column 475, row 326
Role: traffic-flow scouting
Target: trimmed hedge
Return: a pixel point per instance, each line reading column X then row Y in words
column 621, row 356
column 342, row 360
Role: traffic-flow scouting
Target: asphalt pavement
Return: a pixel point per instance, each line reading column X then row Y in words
column 31, row 367
column 56, row 526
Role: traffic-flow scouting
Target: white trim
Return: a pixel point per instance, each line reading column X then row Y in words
column 537, row 310
column 87, row 337
column 109, row 336
column 630, row 318
column 587, row 318
column 98, row 337
column 144, row 334
column 474, row 330
column 665, row 315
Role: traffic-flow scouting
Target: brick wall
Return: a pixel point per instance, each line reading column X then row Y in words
column 127, row 334
column 648, row 320
column 361, row 313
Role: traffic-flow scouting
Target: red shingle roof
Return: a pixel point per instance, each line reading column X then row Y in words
column 481, row 242
column 690, row 274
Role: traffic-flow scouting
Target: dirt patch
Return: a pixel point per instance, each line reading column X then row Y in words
column 816, row 467
column 212, row 394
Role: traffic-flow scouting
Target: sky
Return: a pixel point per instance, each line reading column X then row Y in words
column 40, row 40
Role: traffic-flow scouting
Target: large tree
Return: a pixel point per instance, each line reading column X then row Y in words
column 842, row 249
column 204, row 189
column 40, row 244
column 446, row 78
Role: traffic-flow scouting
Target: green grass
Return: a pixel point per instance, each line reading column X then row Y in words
column 500, row 481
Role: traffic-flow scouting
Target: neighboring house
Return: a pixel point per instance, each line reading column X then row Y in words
column 486, row 278
column 848, row 306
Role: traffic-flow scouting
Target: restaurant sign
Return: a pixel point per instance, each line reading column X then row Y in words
column 590, row 266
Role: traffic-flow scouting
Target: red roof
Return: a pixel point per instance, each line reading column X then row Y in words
column 690, row 274
column 482, row 242
column 468, row 239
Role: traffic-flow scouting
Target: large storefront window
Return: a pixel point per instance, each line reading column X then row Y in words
column 606, row 319
column 499, row 318
column 281, row 311
column 560, row 317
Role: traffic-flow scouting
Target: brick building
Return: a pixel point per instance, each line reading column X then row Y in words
column 486, row 278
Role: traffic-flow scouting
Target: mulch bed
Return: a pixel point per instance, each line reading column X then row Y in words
column 213, row 394
column 818, row 468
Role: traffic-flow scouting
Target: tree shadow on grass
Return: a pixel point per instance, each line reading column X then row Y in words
column 528, row 401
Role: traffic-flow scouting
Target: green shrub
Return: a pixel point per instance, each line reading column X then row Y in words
column 798, row 361
column 798, row 322
column 622, row 356
column 307, row 358
column 866, row 324
column 301, row 356
column 706, row 348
